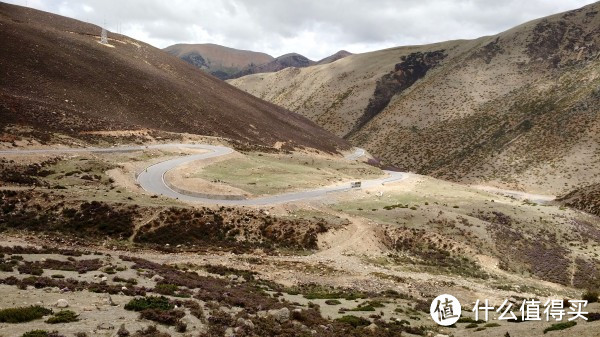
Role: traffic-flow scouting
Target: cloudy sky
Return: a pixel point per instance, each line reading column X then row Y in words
column 314, row 28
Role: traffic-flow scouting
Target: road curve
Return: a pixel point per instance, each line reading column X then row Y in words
column 152, row 179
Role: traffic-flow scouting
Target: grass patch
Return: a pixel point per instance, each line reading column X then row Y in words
column 149, row 302
column 368, row 306
column 469, row 320
column 63, row 316
column 560, row 326
column 23, row 314
column 353, row 320
column 36, row 333
column 274, row 173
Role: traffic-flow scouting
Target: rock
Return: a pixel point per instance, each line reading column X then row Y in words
column 229, row 333
column 281, row 315
column 105, row 326
column 245, row 322
column 124, row 288
column 104, row 279
column 62, row 303
column 372, row 327
column 156, row 278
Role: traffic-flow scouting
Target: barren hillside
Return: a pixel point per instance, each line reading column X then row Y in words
column 58, row 79
column 518, row 109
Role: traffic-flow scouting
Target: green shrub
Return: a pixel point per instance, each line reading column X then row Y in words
column 590, row 296
column 368, row 306
column 333, row 302
column 58, row 276
column 491, row 325
column 30, row 268
column 166, row 289
column 469, row 320
column 6, row 267
column 353, row 320
column 63, row 316
column 149, row 302
column 23, row 314
column 166, row 317
column 593, row 316
column 471, row 325
column 36, row 333
column 560, row 326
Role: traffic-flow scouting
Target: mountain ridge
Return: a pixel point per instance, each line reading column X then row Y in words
column 220, row 61
column 71, row 84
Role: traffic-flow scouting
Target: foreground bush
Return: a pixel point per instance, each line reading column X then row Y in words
column 41, row 333
column 150, row 302
column 590, row 296
column 353, row 320
column 560, row 326
column 63, row 316
column 23, row 314
column 166, row 317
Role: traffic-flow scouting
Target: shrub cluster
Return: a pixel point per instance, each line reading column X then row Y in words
column 23, row 314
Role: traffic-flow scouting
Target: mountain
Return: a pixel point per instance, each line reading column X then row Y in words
column 58, row 79
column 520, row 109
column 282, row 62
column 218, row 60
column 332, row 58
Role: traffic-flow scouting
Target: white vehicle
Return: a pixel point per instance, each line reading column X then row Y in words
column 355, row 184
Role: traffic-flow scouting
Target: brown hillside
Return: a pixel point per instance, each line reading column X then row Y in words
column 586, row 199
column 57, row 77
column 519, row 109
column 218, row 60
column 332, row 58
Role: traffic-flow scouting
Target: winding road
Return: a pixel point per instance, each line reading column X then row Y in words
column 152, row 179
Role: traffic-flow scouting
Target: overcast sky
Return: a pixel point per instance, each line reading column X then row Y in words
column 314, row 28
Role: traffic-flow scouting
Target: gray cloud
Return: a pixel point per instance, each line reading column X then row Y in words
column 314, row 28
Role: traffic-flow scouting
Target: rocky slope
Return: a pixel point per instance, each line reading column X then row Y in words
column 217, row 60
column 586, row 198
column 518, row 109
column 58, row 79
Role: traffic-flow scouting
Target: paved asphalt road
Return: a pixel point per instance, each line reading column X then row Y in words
column 152, row 178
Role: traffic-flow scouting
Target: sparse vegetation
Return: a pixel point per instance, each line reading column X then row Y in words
column 23, row 314
column 63, row 316
column 560, row 326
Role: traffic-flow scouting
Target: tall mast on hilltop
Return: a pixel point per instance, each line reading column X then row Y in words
column 104, row 35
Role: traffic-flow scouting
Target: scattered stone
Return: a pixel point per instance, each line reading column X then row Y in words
column 246, row 322
column 229, row 332
column 62, row 303
column 281, row 315
column 105, row 326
